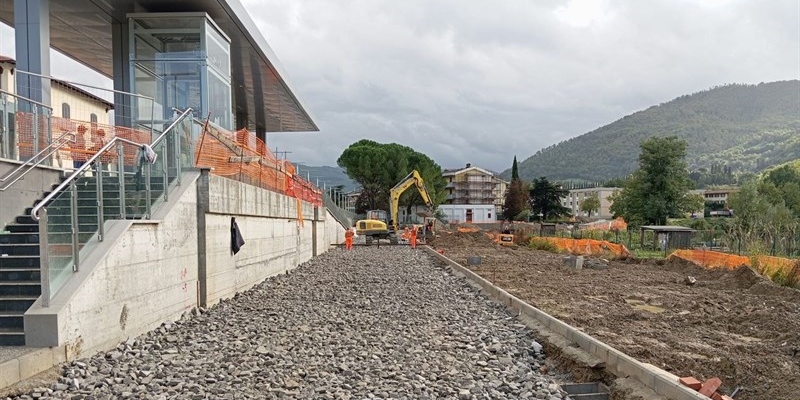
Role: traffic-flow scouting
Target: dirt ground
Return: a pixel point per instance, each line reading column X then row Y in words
column 734, row 325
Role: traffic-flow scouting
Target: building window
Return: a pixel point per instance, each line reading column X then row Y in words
column 93, row 118
column 64, row 110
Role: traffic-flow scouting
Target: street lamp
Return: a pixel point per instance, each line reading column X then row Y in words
column 541, row 216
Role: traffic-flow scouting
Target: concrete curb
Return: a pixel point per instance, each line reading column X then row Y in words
column 30, row 364
column 616, row 362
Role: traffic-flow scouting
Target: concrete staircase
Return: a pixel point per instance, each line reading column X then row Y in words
column 20, row 273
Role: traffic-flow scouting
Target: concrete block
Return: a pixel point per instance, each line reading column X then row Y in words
column 574, row 262
column 9, row 373
column 35, row 362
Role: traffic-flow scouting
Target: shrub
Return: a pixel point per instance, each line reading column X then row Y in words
column 542, row 244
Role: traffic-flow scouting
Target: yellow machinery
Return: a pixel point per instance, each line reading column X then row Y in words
column 379, row 224
column 415, row 179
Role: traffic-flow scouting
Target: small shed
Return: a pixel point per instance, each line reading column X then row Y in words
column 669, row 237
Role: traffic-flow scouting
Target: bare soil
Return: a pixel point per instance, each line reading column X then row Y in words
column 735, row 325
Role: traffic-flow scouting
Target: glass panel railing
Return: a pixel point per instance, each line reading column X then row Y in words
column 118, row 182
column 25, row 128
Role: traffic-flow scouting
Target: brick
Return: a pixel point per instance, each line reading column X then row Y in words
column 716, row 396
column 726, row 397
column 690, row 381
column 710, row 386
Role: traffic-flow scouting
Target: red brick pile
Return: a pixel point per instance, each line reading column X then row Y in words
column 707, row 388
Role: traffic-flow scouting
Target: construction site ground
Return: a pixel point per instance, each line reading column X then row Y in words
column 734, row 325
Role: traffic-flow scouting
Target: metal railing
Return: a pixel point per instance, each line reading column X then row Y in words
column 36, row 160
column 10, row 136
column 70, row 215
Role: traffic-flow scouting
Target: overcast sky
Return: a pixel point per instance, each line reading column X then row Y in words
column 473, row 81
column 478, row 82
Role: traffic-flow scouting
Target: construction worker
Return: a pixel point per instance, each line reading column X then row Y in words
column 413, row 238
column 348, row 238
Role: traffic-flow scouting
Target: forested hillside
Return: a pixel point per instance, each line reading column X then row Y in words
column 743, row 128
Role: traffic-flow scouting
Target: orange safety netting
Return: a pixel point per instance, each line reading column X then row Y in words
column 87, row 139
column 236, row 155
column 715, row 259
column 243, row 157
column 588, row 246
column 617, row 224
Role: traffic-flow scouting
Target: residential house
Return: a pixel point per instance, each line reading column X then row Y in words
column 473, row 185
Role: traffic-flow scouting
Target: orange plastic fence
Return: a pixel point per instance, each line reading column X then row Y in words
column 244, row 157
column 618, row 224
column 588, row 246
column 715, row 259
column 236, row 155
column 89, row 138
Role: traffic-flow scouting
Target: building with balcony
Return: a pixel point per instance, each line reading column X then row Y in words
column 475, row 185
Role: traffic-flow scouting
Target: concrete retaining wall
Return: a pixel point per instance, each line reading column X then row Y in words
column 616, row 362
column 148, row 272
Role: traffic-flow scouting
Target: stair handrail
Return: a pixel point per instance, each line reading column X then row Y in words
column 50, row 147
column 111, row 143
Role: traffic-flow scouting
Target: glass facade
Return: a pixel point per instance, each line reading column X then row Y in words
column 181, row 60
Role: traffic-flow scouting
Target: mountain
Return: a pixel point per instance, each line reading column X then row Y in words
column 743, row 128
column 327, row 176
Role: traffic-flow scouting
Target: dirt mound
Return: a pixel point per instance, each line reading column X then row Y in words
column 461, row 239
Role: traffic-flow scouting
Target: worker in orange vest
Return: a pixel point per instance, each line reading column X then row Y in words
column 413, row 237
column 348, row 239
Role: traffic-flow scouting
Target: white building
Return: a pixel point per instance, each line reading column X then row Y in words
column 576, row 197
column 469, row 213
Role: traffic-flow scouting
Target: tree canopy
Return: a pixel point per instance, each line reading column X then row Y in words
column 516, row 197
column 546, row 199
column 591, row 204
column 659, row 188
column 377, row 167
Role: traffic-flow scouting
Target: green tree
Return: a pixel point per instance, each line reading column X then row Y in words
column 516, row 197
column 377, row 167
column 591, row 204
column 546, row 198
column 514, row 170
column 659, row 188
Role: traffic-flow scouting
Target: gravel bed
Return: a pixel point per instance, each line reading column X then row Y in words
column 361, row 324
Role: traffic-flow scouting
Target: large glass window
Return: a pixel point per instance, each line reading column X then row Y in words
column 182, row 60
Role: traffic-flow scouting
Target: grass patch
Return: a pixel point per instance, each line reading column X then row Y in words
column 542, row 244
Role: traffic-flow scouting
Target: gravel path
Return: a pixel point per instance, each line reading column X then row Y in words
column 369, row 323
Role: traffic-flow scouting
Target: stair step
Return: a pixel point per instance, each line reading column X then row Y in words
column 18, row 238
column 16, row 262
column 20, row 274
column 21, row 288
column 12, row 319
column 19, row 228
column 12, row 337
column 16, row 303
column 25, row 249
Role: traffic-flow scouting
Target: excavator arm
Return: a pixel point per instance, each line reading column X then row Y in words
column 413, row 179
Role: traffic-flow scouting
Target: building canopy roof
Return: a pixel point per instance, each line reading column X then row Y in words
column 82, row 29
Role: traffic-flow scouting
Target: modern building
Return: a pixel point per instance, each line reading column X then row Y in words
column 87, row 277
column 576, row 197
column 475, row 186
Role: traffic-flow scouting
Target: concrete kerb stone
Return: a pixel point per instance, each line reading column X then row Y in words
column 614, row 361
column 30, row 364
column 9, row 372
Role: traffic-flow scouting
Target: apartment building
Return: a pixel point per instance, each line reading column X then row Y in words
column 577, row 196
column 476, row 186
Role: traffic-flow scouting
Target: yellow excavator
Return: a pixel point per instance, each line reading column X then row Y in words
column 380, row 225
